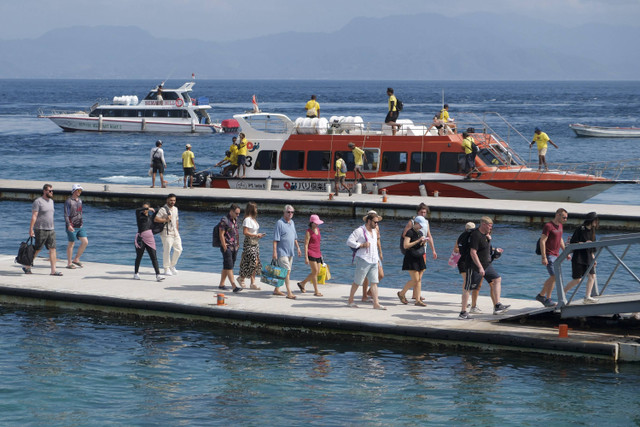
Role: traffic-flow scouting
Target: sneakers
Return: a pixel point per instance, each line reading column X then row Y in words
column 464, row 316
column 159, row 278
column 547, row 302
column 590, row 300
column 500, row 308
column 475, row 310
column 136, row 276
column 174, row 271
column 167, row 272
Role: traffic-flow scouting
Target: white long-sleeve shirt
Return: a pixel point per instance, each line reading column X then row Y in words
column 361, row 235
column 159, row 155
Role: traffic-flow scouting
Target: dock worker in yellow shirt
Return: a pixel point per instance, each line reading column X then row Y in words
column 540, row 138
column 312, row 107
column 358, row 158
column 188, row 166
column 242, row 154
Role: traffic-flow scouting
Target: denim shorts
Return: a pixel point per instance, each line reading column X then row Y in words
column 550, row 268
column 365, row 270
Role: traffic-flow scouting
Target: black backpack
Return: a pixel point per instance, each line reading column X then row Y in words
column 399, row 105
column 215, row 237
column 538, row 250
column 26, row 252
column 464, row 246
column 157, row 227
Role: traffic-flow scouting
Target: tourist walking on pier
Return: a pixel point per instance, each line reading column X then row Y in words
column 75, row 230
column 341, row 174
column 285, row 241
column 481, row 255
column 41, row 227
column 422, row 210
column 157, row 164
column 414, row 243
column 581, row 258
column 188, row 166
column 363, row 242
column 540, row 139
column 144, row 240
column 366, row 292
column 359, row 157
column 170, row 235
column 312, row 254
column 462, row 247
column 229, row 245
column 312, row 107
column 550, row 244
column 250, row 264
column 393, row 113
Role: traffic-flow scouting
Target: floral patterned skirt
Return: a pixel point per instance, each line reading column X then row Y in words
column 250, row 261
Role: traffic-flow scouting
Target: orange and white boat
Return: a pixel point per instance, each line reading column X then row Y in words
column 300, row 156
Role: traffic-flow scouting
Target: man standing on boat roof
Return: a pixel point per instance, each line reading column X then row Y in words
column 359, row 156
column 157, row 164
column 540, row 138
column 188, row 166
column 448, row 121
column 159, row 92
column 393, row 113
column 312, row 107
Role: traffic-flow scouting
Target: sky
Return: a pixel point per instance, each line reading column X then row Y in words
column 226, row 20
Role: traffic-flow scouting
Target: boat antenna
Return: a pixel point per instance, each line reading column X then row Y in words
column 442, row 98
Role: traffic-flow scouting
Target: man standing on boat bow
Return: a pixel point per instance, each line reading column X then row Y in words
column 540, row 138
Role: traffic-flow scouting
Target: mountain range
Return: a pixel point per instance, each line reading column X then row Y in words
column 416, row 47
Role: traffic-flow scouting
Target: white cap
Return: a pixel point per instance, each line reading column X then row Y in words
column 76, row 187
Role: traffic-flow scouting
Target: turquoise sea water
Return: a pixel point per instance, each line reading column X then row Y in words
column 67, row 368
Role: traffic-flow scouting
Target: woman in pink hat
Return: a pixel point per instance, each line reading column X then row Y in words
column 312, row 254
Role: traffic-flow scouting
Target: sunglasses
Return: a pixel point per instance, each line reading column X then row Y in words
column 290, row 212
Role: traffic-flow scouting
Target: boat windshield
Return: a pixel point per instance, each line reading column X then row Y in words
column 267, row 123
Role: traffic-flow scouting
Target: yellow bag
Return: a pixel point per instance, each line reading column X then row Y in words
column 324, row 274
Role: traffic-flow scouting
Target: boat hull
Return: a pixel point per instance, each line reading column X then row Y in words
column 93, row 124
column 605, row 132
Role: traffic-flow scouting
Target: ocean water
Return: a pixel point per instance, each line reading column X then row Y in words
column 67, row 368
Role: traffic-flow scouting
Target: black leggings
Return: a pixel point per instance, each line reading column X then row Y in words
column 152, row 255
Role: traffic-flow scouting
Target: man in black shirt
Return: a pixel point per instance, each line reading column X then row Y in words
column 481, row 255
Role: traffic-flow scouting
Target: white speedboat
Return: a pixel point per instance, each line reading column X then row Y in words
column 171, row 110
column 605, row 132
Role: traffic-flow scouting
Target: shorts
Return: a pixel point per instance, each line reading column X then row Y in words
column 364, row 270
column 188, row 171
column 46, row 238
column 471, row 282
column 76, row 234
column 285, row 262
column 550, row 267
column 462, row 267
column 578, row 270
column 228, row 258
column 314, row 259
column 242, row 160
column 439, row 126
column 490, row 274
column 542, row 152
column 157, row 167
column 392, row 116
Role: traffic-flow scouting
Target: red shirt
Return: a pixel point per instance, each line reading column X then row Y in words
column 554, row 238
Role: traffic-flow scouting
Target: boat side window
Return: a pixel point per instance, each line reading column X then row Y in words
column 151, row 95
column 318, row 160
column 95, row 113
column 394, row 161
column 450, row 162
column 489, row 158
column 291, row 160
column 423, row 161
column 266, row 123
column 266, row 160
column 169, row 96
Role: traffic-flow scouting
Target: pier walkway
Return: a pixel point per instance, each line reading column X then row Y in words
column 193, row 296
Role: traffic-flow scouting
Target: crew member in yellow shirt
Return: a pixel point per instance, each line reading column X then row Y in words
column 312, row 107
column 242, row 155
column 358, row 158
column 393, row 113
column 188, row 166
column 469, row 156
column 448, row 120
column 540, row 138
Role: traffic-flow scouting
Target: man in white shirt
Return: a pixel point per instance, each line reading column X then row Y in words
column 170, row 235
column 364, row 242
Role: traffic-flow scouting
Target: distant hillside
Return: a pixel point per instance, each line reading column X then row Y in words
column 425, row 46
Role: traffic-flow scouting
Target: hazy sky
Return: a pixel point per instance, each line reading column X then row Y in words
column 221, row 20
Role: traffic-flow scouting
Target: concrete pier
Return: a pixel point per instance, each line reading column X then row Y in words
column 193, row 295
column 623, row 217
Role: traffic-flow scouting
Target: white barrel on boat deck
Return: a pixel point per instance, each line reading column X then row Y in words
column 423, row 190
column 322, row 126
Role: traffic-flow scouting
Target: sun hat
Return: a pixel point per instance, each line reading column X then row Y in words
column 469, row 226
column 76, row 187
column 315, row 219
column 372, row 212
column 188, row 145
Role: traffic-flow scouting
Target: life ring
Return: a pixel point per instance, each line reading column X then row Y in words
column 287, row 185
column 179, row 102
column 249, row 145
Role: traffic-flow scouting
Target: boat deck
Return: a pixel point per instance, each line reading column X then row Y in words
column 192, row 295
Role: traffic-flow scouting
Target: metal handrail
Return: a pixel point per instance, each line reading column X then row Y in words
column 604, row 244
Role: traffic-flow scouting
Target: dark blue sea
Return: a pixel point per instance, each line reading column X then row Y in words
column 65, row 368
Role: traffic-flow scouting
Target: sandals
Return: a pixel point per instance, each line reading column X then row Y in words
column 257, row 288
column 318, row 295
column 402, row 298
column 78, row 263
column 71, row 267
column 27, row 270
column 57, row 273
column 291, row 296
column 301, row 287
column 420, row 304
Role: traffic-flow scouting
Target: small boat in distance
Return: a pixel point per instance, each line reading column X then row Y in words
column 605, row 132
column 162, row 110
